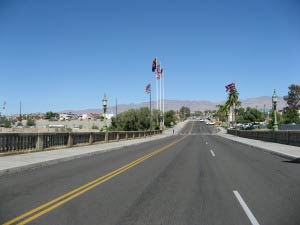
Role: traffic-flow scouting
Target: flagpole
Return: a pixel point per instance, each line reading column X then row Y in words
column 163, row 81
column 235, row 102
column 150, row 110
column 156, row 85
column 160, row 108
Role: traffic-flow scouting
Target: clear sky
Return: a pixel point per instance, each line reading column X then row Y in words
column 65, row 54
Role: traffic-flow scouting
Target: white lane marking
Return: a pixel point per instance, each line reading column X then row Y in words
column 246, row 209
column 212, row 152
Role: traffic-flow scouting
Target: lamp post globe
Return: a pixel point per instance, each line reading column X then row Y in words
column 274, row 97
column 104, row 102
column 274, row 101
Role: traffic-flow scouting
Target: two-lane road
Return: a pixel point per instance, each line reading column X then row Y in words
column 193, row 178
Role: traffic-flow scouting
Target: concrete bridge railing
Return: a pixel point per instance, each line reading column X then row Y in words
column 282, row 137
column 26, row 142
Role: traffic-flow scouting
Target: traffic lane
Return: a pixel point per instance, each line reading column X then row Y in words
column 178, row 186
column 23, row 191
column 191, row 127
column 187, row 127
column 189, row 191
column 202, row 128
column 102, row 204
column 268, row 183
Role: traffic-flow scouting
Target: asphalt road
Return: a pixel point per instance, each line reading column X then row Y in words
column 192, row 178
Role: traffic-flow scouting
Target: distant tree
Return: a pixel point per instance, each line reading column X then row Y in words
column 51, row 115
column 143, row 115
column 185, row 112
column 169, row 118
column 291, row 116
column 222, row 112
column 132, row 120
column 30, row 122
column 155, row 119
column 241, row 115
column 293, row 98
column 198, row 113
column 5, row 122
column 253, row 115
column 291, row 112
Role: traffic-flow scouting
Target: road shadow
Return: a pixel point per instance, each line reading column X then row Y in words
column 292, row 161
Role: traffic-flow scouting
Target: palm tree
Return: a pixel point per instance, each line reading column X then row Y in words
column 222, row 111
column 233, row 101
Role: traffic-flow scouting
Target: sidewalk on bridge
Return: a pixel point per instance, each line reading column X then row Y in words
column 286, row 151
column 15, row 163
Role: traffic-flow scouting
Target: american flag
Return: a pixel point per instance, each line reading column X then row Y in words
column 230, row 87
column 154, row 65
column 158, row 72
column 148, row 89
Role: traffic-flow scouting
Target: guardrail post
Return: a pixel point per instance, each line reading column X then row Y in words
column 70, row 141
column 126, row 136
column 118, row 137
column 40, row 142
column 91, row 138
column 133, row 135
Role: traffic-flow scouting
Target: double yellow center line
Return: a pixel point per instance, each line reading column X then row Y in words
column 51, row 205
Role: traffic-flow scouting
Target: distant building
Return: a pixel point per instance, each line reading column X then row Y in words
column 90, row 116
column 109, row 116
column 68, row 116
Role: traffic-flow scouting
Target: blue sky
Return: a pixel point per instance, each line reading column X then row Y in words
column 60, row 54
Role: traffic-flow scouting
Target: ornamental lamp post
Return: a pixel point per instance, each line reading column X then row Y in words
column 104, row 104
column 274, row 101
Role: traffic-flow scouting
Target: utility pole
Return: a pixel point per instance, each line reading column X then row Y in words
column 116, row 107
column 150, row 111
column 20, row 111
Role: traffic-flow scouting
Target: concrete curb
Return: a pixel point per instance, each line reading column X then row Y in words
column 55, row 161
column 283, row 155
column 73, row 157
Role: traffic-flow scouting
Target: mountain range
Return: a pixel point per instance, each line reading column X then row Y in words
column 260, row 103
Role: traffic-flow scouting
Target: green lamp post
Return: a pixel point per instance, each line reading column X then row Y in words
column 104, row 104
column 274, row 101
